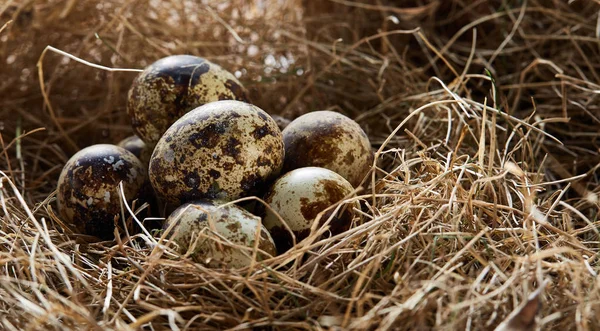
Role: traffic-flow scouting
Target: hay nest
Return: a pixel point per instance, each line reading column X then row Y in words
column 481, row 212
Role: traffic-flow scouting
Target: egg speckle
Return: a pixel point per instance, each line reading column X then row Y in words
column 330, row 140
column 174, row 85
column 88, row 187
column 298, row 197
column 232, row 224
column 221, row 150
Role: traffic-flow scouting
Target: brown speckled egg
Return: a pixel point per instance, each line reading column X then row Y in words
column 330, row 140
column 222, row 150
column 88, row 188
column 138, row 147
column 298, row 197
column 174, row 85
column 232, row 223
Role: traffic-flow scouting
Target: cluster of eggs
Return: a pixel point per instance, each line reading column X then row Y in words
column 200, row 144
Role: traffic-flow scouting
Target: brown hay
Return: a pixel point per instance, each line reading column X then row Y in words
column 484, row 189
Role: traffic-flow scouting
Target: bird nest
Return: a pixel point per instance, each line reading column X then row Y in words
column 480, row 212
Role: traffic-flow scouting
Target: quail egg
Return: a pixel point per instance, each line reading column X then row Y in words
column 281, row 121
column 298, row 197
column 174, row 85
column 143, row 152
column 88, row 188
column 330, row 140
column 138, row 147
column 232, row 224
column 224, row 149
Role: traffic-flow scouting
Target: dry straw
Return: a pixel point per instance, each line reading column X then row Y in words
column 481, row 207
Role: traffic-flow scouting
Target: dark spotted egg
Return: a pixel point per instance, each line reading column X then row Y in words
column 174, row 85
column 138, row 147
column 298, row 197
column 235, row 228
column 330, row 140
column 88, row 188
column 224, row 149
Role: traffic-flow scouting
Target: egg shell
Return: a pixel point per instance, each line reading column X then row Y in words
column 88, row 187
column 138, row 147
column 233, row 223
column 281, row 121
column 143, row 151
column 329, row 140
column 174, row 85
column 221, row 150
column 298, row 197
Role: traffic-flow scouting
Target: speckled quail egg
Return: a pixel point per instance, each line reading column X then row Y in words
column 281, row 121
column 88, row 188
column 298, row 197
column 138, row 147
column 233, row 225
column 143, row 152
column 221, row 150
column 174, row 85
column 330, row 140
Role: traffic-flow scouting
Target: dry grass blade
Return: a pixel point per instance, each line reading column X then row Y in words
column 523, row 318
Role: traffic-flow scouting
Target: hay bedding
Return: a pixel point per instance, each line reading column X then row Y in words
column 482, row 207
